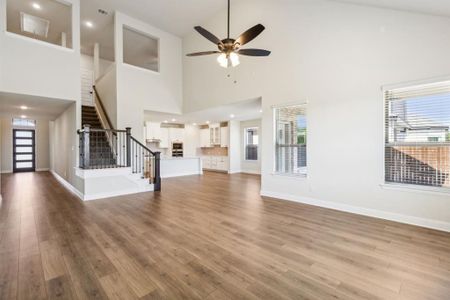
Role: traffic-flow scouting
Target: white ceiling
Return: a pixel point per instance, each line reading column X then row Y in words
column 174, row 16
column 243, row 110
column 37, row 107
column 433, row 7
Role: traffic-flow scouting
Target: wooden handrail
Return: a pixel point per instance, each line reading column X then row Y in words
column 97, row 95
column 142, row 145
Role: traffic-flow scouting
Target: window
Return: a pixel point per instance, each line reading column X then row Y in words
column 23, row 123
column 140, row 50
column 417, row 146
column 290, row 140
column 47, row 20
column 251, row 144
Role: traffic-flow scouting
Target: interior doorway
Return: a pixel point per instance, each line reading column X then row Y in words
column 24, row 150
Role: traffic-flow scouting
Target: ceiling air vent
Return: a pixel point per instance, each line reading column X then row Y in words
column 34, row 25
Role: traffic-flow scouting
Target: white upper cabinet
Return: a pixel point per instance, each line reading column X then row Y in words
column 224, row 136
column 176, row 135
column 205, row 140
column 153, row 131
column 164, row 138
column 214, row 134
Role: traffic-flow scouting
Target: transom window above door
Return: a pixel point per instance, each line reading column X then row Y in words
column 16, row 122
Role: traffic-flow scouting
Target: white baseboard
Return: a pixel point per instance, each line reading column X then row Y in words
column 67, row 185
column 117, row 194
column 250, row 172
column 6, row 171
column 234, row 171
column 181, row 174
column 422, row 222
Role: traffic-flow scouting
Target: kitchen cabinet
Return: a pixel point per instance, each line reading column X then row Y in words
column 164, row 138
column 205, row 141
column 215, row 163
column 176, row 135
column 156, row 134
column 224, row 137
column 153, row 131
column 214, row 134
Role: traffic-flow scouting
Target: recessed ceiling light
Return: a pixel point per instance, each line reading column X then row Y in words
column 260, row 110
column 165, row 121
column 232, row 116
column 89, row 24
column 23, row 107
column 195, row 124
column 36, row 6
column 174, row 120
column 207, row 122
column 23, row 116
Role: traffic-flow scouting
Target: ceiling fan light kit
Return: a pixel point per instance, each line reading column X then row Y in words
column 230, row 49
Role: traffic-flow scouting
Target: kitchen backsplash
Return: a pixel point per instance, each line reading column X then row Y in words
column 216, row 151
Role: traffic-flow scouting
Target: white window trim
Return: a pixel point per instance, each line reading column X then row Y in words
column 403, row 186
column 274, row 142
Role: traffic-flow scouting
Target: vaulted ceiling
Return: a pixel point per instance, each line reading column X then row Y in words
column 180, row 16
column 433, row 7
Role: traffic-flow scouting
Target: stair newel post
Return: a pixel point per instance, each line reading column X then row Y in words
column 128, row 129
column 86, row 146
column 157, row 171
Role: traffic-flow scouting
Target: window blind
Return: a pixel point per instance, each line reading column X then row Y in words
column 417, row 135
column 290, row 140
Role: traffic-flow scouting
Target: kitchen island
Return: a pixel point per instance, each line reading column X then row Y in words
column 180, row 166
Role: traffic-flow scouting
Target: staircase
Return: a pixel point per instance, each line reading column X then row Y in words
column 101, row 154
column 89, row 116
column 122, row 164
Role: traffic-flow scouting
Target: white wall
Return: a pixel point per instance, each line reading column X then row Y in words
column 234, row 146
column 107, row 89
column 336, row 57
column 87, row 62
column 247, row 166
column 64, row 146
column 32, row 67
column 6, row 146
column 1, row 143
column 140, row 89
column 42, row 145
column 191, row 142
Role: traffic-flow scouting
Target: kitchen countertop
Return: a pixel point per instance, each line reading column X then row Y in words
column 180, row 158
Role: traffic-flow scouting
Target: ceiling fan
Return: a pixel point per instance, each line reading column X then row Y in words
column 230, row 49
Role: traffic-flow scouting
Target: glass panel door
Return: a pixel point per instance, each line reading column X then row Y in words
column 23, row 150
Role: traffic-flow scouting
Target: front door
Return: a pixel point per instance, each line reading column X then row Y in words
column 23, row 150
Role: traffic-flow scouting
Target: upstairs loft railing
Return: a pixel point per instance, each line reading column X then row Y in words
column 111, row 148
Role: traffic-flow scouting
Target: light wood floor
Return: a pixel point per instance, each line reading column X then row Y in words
column 209, row 237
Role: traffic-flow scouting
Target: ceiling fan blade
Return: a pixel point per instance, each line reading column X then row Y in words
column 202, row 53
column 208, row 35
column 254, row 52
column 250, row 34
